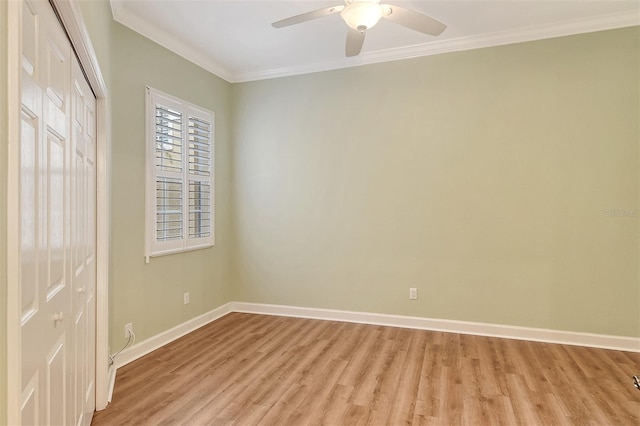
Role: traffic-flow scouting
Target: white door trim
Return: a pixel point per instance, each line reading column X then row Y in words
column 71, row 16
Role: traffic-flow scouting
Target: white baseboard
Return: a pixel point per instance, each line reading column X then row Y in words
column 112, row 383
column 451, row 326
column 151, row 344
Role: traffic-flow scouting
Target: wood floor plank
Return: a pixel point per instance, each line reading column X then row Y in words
column 246, row 369
column 403, row 405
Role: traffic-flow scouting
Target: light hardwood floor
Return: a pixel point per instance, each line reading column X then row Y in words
column 248, row 369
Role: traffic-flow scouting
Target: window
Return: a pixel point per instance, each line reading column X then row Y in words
column 179, row 187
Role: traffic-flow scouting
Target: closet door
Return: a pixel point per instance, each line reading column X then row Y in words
column 57, row 226
column 83, row 243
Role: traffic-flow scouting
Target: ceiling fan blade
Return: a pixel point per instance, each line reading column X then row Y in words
column 308, row 16
column 414, row 20
column 355, row 39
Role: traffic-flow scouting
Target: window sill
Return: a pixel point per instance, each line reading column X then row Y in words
column 176, row 251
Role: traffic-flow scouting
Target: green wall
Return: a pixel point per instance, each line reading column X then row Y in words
column 99, row 23
column 151, row 295
column 3, row 212
column 484, row 178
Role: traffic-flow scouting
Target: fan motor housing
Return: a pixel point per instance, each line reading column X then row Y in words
column 362, row 15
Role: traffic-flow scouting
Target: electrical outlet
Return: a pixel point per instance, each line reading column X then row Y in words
column 128, row 329
column 186, row 298
column 413, row 293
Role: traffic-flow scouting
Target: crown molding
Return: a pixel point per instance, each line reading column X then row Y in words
column 499, row 38
column 154, row 33
column 539, row 32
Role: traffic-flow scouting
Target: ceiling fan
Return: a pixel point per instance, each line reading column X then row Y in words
column 362, row 15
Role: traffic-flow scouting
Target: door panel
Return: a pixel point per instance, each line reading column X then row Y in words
column 57, row 239
column 79, row 213
column 57, row 214
column 29, row 39
column 56, row 373
column 83, row 187
column 79, row 366
column 45, row 282
column 28, row 164
column 56, row 75
column 30, row 398
column 32, row 318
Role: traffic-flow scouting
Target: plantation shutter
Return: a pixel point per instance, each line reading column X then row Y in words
column 200, row 171
column 179, row 175
column 169, row 185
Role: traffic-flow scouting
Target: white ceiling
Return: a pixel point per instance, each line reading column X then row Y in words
column 234, row 39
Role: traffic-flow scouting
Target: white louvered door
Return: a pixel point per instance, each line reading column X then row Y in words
column 57, row 323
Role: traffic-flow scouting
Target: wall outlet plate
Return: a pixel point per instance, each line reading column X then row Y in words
column 186, row 298
column 413, row 293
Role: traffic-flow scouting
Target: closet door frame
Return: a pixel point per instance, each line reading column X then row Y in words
column 73, row 22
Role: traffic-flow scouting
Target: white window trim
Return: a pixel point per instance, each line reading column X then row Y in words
column 154, row 248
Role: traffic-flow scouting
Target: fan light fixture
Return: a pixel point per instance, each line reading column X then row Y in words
column 362, row 15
